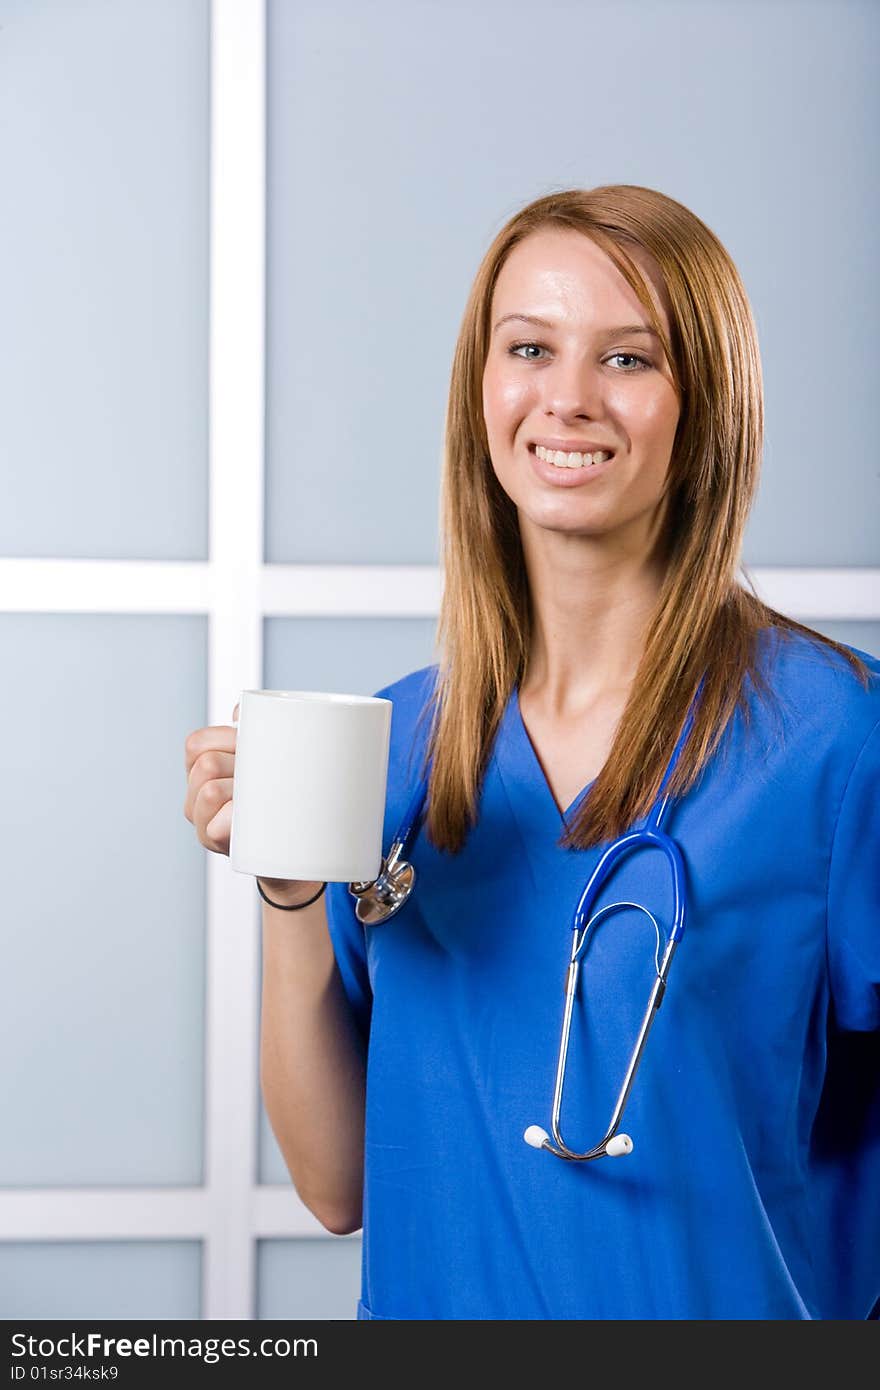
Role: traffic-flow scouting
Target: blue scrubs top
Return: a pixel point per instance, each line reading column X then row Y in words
column 753, row 1189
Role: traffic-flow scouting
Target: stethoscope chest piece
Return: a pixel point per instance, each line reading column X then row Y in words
column 378, row 901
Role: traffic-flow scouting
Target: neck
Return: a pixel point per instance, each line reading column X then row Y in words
column 592, row 601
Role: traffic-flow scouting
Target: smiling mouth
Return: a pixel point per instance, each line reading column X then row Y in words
column 563, row 459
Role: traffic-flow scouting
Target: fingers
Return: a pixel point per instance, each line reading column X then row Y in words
column 219, row 829
column 212, row 814
column 209, row 758
column 216, row 737
column 213, row 767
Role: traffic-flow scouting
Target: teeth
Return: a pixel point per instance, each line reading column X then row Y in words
column 563, row 460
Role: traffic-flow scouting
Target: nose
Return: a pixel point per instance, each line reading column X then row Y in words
column 572, row 389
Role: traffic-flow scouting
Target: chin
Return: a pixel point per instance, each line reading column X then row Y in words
column 569, row 525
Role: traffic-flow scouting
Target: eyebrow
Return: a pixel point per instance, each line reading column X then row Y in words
column 622, row 329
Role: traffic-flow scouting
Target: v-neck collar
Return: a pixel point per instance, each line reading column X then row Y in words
column 527, row 754
column 533, row 806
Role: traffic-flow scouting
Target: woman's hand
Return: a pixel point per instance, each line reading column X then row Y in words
column 210, row 772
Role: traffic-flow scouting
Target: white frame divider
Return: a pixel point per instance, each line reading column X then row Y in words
column 236, row 590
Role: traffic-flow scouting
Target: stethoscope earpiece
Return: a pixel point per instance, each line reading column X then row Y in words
column 538, row 1138
column 620, row 1144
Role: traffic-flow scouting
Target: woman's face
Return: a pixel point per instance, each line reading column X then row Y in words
column 574, row 380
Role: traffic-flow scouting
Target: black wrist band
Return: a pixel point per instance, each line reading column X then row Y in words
column 293, row 907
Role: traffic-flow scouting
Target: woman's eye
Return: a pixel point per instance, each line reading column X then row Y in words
column 633, row 357
column 518, row 347
column 529, row 352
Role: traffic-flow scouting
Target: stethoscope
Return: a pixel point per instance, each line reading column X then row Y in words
column 378, row 901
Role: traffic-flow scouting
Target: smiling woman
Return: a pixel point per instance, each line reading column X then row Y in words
column 589, row 404
column 607, row 319
column 602, row 669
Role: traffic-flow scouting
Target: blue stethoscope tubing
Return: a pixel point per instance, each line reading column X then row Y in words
column 379, row 900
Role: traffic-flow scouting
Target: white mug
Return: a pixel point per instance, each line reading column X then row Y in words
column 308, row 794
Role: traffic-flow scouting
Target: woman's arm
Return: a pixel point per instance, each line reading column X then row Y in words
column 312, row 1066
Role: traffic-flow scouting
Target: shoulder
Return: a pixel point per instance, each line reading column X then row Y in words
column 819, row 708
column 411, row 690
column 410, row 698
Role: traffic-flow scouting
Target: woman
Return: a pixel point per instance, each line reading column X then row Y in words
column 592, row 620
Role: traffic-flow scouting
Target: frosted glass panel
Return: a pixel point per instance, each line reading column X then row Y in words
column 354, row 655
column 104, row 279
column 864, row 636
column 402, row 134
column 102, row 903
column 314, row 1278
column 100, row 1279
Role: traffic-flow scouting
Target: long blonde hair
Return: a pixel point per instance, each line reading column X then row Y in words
column 704, row 620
